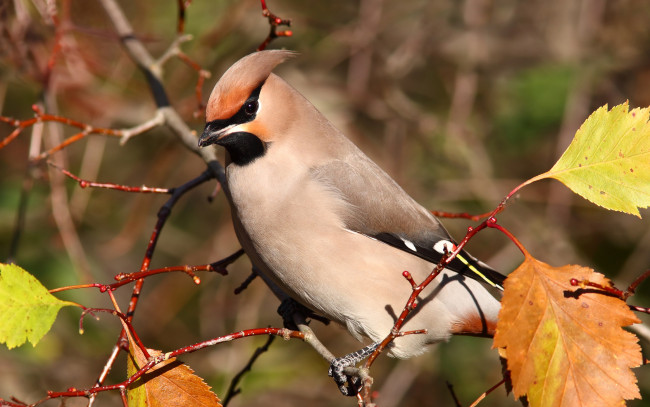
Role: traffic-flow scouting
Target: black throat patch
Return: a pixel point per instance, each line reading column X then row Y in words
column 243, row 147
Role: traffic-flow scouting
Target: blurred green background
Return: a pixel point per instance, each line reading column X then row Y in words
column 460, row 101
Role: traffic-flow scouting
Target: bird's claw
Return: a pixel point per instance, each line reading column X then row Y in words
column 349, row 385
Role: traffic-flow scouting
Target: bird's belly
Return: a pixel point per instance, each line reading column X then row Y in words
column 301, row 243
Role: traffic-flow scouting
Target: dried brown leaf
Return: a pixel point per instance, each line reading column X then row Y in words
column 171, row 383
column 565, row 346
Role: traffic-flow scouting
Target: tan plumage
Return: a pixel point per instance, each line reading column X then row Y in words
column 324, row 222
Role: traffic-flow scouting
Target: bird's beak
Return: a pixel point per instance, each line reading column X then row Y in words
column 211, row 136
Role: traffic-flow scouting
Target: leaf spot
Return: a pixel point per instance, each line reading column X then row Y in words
column 603, row 192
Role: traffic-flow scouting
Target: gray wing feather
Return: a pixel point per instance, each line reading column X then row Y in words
column 380, row 209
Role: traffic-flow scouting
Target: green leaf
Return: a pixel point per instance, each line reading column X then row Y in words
column 27, row 309
column 608, row 161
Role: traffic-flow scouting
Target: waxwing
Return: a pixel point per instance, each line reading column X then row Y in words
column 329, row 227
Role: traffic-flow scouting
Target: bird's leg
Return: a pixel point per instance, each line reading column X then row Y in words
column 349, row 385
column 288, row 307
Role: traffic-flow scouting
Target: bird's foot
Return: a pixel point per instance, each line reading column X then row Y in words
column 349, row 385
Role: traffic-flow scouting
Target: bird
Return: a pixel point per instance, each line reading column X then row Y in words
column 328, row 226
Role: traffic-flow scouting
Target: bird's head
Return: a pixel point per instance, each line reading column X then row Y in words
column 247, row 106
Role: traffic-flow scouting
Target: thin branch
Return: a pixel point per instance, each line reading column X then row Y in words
column 90, row 184
column 488, row 391
column 152, row 362
column 450, row 387
column 233, row 390
column 120, row 315
column 86, row 129
column 274, row 22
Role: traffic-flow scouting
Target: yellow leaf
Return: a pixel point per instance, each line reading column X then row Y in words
column 566, row 347
column 608, row 161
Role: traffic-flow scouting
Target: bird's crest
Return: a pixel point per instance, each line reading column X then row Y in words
column 239, row 81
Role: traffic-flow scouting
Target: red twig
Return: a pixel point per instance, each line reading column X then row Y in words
column 285, row 333
column 608, row 289
column 203, row 75
column 123, row 317
column 632, row 288
column 86, row 129
column 274, row 22
column 125, row 278
column 85, row 184
column 182, row 6
column 163, row 214
column 463, row 215
column 623, row 295
column 491, row 222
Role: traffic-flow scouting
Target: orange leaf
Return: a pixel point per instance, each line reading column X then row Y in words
column 565, row 346
column 170, row 383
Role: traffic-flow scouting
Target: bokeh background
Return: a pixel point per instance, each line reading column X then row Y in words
column 460, row 101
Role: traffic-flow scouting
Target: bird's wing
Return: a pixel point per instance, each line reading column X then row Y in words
column 380, row 209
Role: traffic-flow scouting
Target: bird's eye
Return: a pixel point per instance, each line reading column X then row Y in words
column 250, row 108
